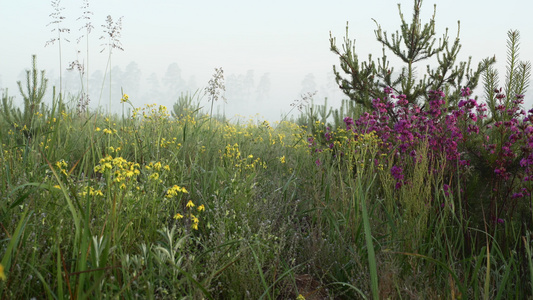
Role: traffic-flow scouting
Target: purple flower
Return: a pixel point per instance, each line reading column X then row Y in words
column 349, row 123
column 396, row 172
column 465, row 92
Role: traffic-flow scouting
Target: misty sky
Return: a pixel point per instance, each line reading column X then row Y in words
column 284, row 41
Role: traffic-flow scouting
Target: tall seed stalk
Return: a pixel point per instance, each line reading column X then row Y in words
column 57, row 19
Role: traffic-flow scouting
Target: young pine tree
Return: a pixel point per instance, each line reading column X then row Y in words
column 414, row 43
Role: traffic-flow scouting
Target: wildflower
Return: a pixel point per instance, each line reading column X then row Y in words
column 300, row 297
column 201, row 208
column 173, row 191
column 194, row 219
column 125, row 98
column 190, row 204
column 465, row 92
column 282, row 159
column 178, row 216
column 194, row 226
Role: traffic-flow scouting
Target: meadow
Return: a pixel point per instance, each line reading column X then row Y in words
column 425, row 194
column 167, row 204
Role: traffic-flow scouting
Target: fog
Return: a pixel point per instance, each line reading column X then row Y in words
column 271, row 52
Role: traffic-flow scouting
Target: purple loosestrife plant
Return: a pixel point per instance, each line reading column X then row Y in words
column 491, row 157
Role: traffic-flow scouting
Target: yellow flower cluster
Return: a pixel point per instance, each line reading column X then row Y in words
column 173, row 191
column 156, row 166
column 194, row 219
column 249, row 163
column 62, row 166
column 122, row 169
column 109, row 131
column 113, row 149
column 136, row 111
column 232, row 152
column 155, row 169
column 89, row 190
column 187, row 119
column 153, row 113
column 42, row 144
column 232, row 156
column 166, row 143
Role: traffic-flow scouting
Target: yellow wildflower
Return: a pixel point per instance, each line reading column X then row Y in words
column 190, row 204
column 201, row 208
column 173, row 191
column 178, row 216
column 194, row 226
column 125, row 98
column 194, row 219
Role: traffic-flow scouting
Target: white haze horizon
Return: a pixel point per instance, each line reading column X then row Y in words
column 271, row 52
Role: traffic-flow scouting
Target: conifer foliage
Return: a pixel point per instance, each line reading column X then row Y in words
column 363, row 81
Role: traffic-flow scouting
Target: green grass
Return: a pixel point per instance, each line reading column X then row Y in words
column 100, row 206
